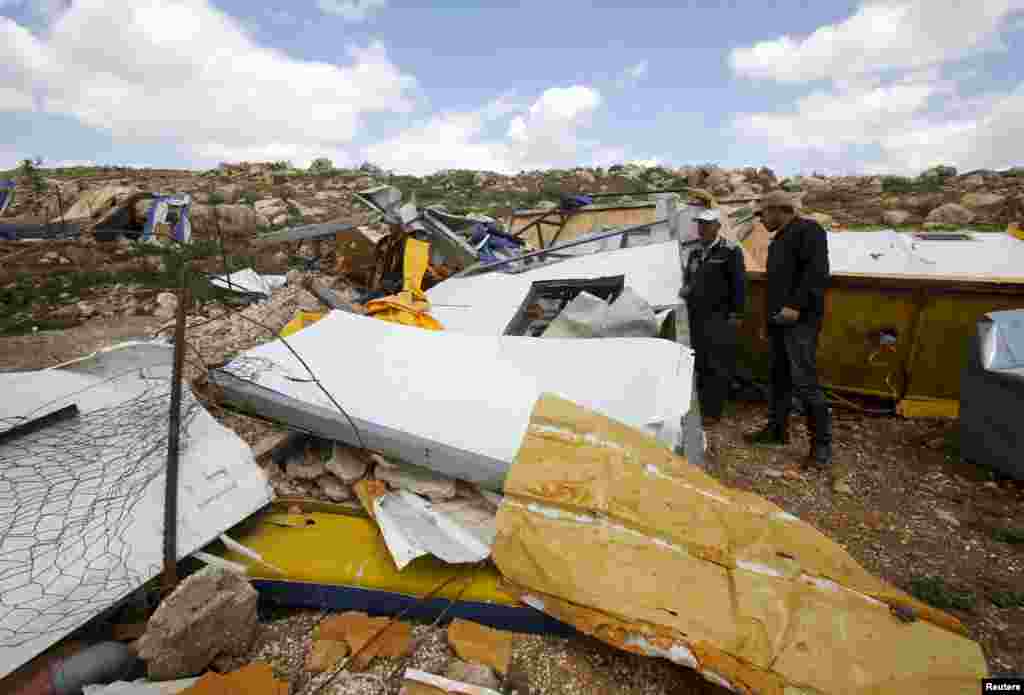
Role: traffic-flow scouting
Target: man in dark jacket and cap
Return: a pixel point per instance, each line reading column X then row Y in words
column 714, row 284
column 797, row 272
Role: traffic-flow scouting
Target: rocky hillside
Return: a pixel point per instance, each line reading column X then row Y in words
column 60, row 283
column 268, row 196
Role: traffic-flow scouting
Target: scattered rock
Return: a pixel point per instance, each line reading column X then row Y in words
column 212, row 612
column 772, row 473
column 419, row 480
column 981, row 200
column 346, row 464
column 842, row 487
column 334, row 489
column 85, row 310
column 166, row 305
column 896, row 217
column 473, row 674
column 950, row 213
column 325, row 654
column 821, row 218
column 270, row 207
column 473, row 642
column 305, row 467
column 947, row 517
column 791, row 474
column 813, row 183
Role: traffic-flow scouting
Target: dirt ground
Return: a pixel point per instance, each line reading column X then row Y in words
column 48, row 348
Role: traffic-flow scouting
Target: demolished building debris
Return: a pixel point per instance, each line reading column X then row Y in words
column 500, row 435
column 98, row 478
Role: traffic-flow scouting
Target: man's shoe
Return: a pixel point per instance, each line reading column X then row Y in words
column 821, row 455
column 771, row 435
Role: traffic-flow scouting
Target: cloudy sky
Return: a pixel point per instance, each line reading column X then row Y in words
column 422, row 85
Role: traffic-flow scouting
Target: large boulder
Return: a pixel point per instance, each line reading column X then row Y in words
column 97, row 202
column 821, row 218
column 231, row 218
column 270, row 207
column 715, row 178
column 975, row 201
column 896, row 217
column 211, row 613
column 813, row 183
column 950, row 213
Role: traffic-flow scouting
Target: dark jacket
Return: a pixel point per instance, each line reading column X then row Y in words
column 798, row 270
column 714, row 279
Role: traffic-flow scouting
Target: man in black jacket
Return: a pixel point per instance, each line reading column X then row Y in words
column 714, row 289
column 797, row 277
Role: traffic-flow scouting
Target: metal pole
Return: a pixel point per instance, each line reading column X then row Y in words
column 551, row 249
column 170, row 578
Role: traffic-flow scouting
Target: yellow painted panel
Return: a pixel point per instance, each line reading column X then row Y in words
column 933, row 328
column 300, row 321
column 612, row 533
column 913, row 407
column 947, row 325
column 348, row 550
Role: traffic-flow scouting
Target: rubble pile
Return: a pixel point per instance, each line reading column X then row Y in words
column 221, row 333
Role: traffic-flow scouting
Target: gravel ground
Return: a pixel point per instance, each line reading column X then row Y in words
column 541, row 665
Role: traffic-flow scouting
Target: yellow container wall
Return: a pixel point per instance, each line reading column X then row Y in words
column 933, row 321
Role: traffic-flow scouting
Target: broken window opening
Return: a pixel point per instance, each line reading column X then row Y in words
column 547, row 298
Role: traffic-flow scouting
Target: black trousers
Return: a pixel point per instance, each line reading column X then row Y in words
column 714, row 345
column 794, row 372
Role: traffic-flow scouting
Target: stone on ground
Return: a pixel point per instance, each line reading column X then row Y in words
column 418, row 480
column 347, row 464
column 950, row 213
column 212, row 612
column 474, row 674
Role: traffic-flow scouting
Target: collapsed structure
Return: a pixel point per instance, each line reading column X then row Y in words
column 543, row 437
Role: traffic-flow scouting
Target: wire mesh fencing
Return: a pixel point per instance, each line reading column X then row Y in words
column 69, row 496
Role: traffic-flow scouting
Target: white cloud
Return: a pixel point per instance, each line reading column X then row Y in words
column 879, row 36
column 633, row 74
column 544, row 135
column 888, row 94
column 183, row 70
column 352, row 10
column 14, row 100
column 831, row 120
column 901, row 121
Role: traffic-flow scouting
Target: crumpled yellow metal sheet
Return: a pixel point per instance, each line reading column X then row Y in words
column 410, row 307
column 607, row 531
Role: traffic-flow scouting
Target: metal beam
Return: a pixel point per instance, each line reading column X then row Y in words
column 487, row 267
